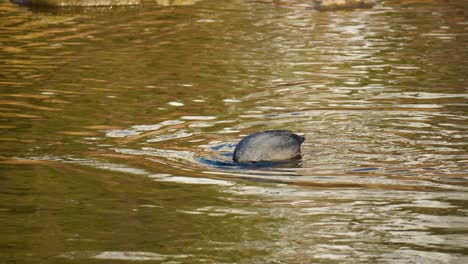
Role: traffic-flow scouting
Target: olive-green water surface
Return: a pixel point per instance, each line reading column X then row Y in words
column 118, row 126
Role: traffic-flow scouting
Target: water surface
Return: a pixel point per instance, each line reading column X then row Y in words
column 118, row 126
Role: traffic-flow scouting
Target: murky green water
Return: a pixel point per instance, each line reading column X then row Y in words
column 117, row 126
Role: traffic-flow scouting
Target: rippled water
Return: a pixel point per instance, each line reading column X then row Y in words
column 118, row 126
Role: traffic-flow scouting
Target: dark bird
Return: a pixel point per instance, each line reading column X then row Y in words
column 266, row 146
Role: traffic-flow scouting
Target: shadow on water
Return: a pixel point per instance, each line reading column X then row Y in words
column 67, row 10
column 70, row 6
column 293, row 163
column 227, row 161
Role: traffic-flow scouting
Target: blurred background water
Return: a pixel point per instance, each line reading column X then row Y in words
column 118, row 126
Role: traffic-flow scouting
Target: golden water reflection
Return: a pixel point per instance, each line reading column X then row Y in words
column 118, row 127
